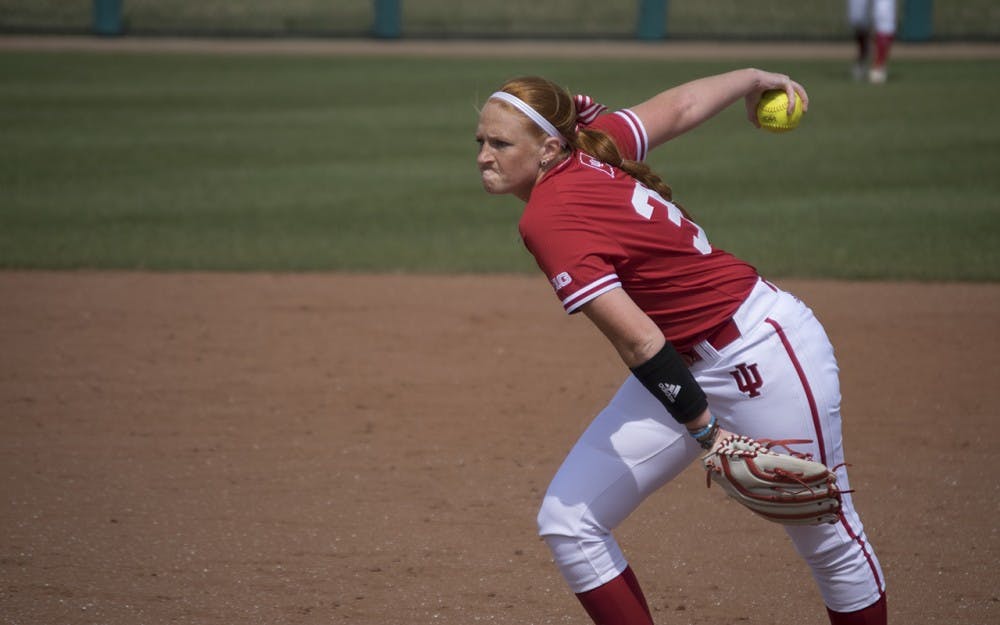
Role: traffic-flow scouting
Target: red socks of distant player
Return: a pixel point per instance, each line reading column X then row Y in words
column 883, row 41
column 875, row 614
column 619, row 602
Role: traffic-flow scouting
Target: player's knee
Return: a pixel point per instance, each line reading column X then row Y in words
column 555, row 518
column 585, row 551
column 585, row 564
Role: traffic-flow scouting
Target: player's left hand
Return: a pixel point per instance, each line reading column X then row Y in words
column 790, row 489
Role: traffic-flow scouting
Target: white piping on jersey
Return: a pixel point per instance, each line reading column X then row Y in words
column 592, row 290
column 638, row 132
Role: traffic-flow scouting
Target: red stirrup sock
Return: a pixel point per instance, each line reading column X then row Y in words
column 875, row 614
column 883, row 41
column 619, row 602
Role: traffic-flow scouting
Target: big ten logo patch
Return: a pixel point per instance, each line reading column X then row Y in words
column 599, row 165
column 561, row 280
column 748, row 379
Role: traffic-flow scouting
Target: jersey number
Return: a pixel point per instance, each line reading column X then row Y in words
column 644, row 200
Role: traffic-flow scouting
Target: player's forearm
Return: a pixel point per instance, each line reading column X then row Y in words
column 684, row 107
column 631, row 332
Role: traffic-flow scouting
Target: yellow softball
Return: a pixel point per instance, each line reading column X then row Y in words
column 772, row 111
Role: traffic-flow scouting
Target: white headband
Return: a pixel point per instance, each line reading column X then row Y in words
column 522, row 106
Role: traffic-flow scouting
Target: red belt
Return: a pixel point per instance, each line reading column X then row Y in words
column 721, row 337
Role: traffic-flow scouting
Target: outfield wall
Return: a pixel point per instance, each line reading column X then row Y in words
column 919, row 20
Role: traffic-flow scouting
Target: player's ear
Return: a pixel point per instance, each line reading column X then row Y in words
column 550, row 149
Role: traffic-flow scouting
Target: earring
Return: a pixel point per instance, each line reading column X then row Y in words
column 544, row 164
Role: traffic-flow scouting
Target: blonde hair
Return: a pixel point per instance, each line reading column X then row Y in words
column 556, row 105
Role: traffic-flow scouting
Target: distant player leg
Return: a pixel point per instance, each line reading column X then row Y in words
column 885, row 29
column 859, row 19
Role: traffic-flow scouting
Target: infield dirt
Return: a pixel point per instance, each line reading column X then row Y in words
column 258, row 448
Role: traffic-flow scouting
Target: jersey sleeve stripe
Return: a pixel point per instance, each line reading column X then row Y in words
column 638, row 132
column 589, row 292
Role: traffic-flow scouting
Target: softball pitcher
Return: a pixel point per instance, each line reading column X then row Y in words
column 713, row 347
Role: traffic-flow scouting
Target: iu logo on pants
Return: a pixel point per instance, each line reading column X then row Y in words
column 748, row 379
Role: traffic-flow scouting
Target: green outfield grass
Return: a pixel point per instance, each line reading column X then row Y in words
column 307, row 163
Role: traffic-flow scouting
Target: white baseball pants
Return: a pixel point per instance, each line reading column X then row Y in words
column 778, row 381
column 863, row 14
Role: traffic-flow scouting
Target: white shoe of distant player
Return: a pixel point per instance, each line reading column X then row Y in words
column 877, row 75
column 858, row 71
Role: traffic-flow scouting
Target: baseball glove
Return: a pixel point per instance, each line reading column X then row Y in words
column 790, row 489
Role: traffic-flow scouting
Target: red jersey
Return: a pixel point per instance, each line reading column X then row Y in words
column 592, row 228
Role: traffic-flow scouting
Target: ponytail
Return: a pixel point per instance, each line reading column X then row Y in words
column 570, row 115
column 598, row 144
